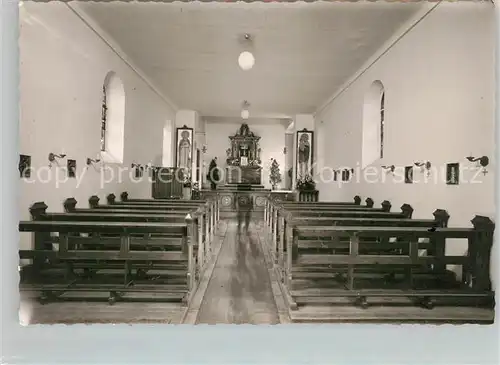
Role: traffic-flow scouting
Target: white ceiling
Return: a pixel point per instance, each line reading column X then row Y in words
column 304, row 51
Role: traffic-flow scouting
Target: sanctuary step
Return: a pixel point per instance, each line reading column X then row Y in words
column 242, row 187
column 246, row 187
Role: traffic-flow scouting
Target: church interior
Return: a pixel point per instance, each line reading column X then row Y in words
column 261, row 163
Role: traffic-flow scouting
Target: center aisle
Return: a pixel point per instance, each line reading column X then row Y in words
column 239, row 291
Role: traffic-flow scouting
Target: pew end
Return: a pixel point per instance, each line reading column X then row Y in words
column 124, row 196
column 369, row 202
column 111, row 199
column 38, row 209
column 407, row 210
column 94, row 201
column 386, row 206
column 70, row 205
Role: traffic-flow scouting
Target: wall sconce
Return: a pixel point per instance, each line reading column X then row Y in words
column 139, row 169
column 389, row 169
column 426, row 165
column 284, row 150
column 53, row 158
column 204, row 149
column 91, row 161
column 481, row 161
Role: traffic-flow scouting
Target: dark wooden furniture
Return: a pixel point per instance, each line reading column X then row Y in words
column 85, row 246
column 474, row 289
column 308, row 195
column 167, row 183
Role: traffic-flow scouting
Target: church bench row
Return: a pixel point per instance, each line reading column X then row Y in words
column 475, row 288
column 318, row 242
column 67, row 254
column 152, row 206
column 272, row 202
column 202, row 232
column 103, row 240
column 306, row 234
column 214, row 201
column 334, row 212
column 212, row 206
column 203, row 213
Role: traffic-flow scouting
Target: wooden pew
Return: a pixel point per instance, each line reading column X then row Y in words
column 71, row 237
column 441, row 218
column 200, row 244
column 334, row 212
column 274, row 206
column 215, row 210
column 272, row 203
column 211, row 206
column 201, row 217
column 473, row 290
column 146, row 208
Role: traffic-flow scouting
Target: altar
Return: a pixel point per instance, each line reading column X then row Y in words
column 243, row 158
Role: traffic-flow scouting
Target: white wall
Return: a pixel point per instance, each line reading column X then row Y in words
column 272, row 142
column 63, row 64
column 439, row 85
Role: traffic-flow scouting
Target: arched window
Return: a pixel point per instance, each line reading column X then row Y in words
column 103, row 119
column 382, row 111
column 113, row 119
column 373, row 124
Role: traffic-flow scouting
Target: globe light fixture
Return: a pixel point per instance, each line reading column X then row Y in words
column 245, row 114
column 246, row 60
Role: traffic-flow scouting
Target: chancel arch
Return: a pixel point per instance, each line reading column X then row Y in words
column 373, row 124
column 113, row 119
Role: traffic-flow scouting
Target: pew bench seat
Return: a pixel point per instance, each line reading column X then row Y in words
column 111, row 293
column 425, row 298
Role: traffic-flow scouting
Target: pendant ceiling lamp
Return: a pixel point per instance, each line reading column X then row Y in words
column 246, row 60
column 245, row 114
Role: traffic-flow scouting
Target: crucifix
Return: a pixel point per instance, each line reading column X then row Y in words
column 244, row 150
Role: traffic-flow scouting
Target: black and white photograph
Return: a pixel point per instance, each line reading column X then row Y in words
column 292, row 112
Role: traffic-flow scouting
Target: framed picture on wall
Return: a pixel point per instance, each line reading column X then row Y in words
column 184, row 147
column 71, row 165
column 198, row 164
column 305, row 148
column 24, row 166
column 453, row 173
column 408, row 174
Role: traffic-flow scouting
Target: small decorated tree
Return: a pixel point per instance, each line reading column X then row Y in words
column 275, row 175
